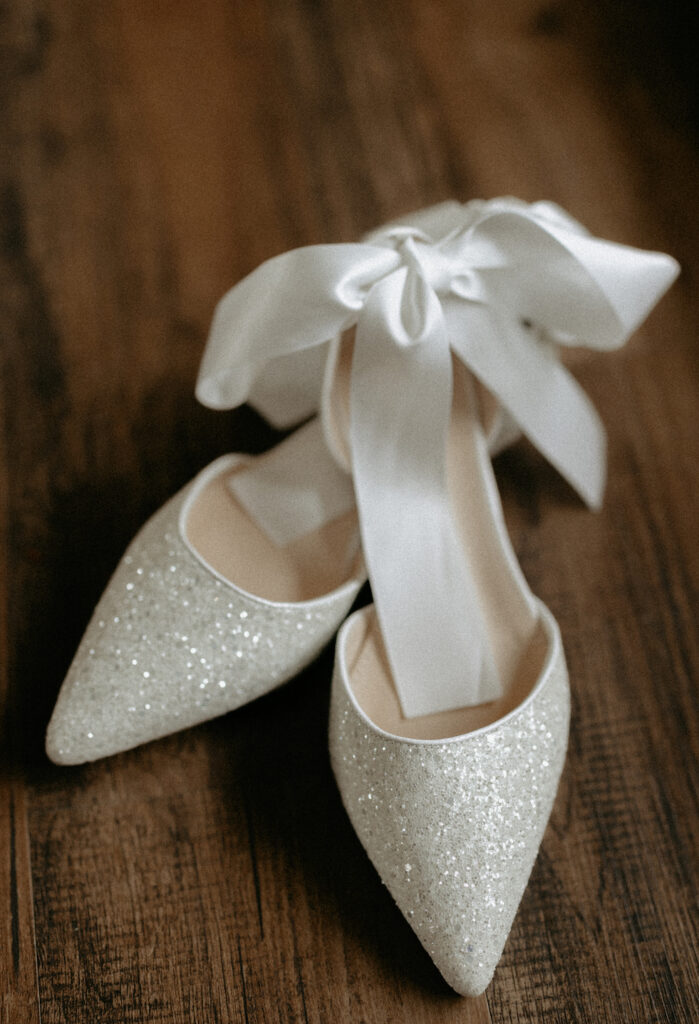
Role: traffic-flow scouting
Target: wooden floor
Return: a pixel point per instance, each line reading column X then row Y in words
column 152, row 154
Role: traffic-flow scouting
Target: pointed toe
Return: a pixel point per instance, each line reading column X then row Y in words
column 172, row 643
column 453, row 826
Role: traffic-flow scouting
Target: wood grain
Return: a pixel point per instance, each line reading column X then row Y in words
column 152, row 155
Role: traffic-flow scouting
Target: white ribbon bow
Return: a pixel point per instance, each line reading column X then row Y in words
column 488, row 293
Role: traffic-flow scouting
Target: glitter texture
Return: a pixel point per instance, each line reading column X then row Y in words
column 172, row 644
column 453, row 826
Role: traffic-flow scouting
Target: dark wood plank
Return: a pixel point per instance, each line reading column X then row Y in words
column 156, row 154
column 19, row 994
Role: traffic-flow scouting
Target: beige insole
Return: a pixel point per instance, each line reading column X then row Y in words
column 225, row 536
column 516, row 638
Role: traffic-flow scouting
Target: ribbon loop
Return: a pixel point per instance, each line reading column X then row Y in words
column 507, row 276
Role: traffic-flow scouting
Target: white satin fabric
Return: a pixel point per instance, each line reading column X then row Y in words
column 498, row 293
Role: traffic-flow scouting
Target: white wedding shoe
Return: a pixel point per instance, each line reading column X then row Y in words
column 451, row 804
column 450, row 702
column 205, row 613
column 236, row 584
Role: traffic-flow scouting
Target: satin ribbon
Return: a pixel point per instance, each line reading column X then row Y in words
column 497, row 294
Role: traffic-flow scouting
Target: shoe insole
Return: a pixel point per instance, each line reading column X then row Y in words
column 516, row 638
column 226, row 537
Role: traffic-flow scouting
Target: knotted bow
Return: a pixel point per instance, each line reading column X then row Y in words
column 496, row 294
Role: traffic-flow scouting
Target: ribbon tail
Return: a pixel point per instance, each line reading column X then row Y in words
column 430, row 617
column 295, row 488
column 543, row 397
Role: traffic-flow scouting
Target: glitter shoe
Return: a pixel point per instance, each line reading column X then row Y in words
column 451, row 823
column 204, row 613
column 451, row 805
column 448, row 773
